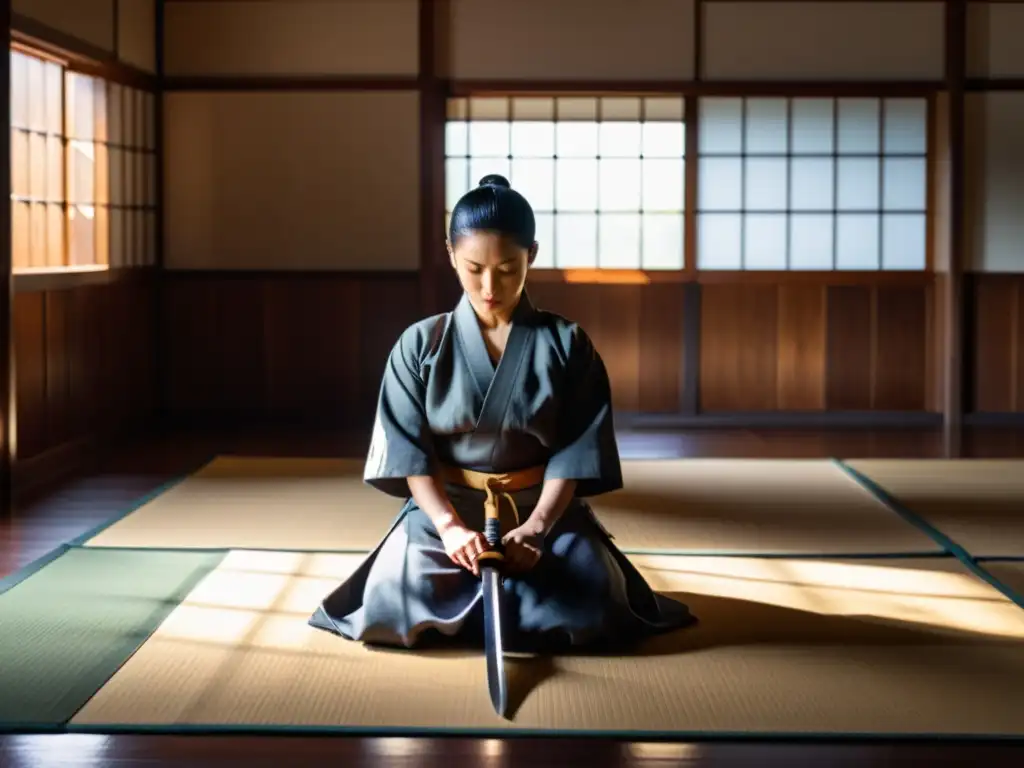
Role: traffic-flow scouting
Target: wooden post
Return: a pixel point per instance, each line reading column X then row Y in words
column 953, row 285
column 7, row 292
column 433, row 18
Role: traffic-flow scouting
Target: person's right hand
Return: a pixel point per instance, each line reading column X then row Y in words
column 464, row 546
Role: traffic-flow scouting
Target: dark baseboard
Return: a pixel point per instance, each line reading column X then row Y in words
column 256, row 421
column 260, row 421
column 782, row 420
column 62, row 462
column 40, row 473
column 1013, row 420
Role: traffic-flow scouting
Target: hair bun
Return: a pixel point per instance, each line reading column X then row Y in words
column 494, row 180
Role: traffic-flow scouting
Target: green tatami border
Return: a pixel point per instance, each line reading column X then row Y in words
column 513, row 733
column 966, row 559
column 13, row 579
column 73, row 654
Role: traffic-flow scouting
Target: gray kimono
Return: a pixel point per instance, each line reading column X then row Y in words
column 546, row 403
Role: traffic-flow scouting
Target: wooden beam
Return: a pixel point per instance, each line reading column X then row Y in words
column 698, row 87
column 296, row 82
column 983, row 84
column 7, row 290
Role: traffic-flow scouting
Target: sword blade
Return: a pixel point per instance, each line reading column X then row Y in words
column 494, row 638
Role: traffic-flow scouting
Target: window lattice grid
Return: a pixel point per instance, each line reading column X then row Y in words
column 605, row 175
column 812, row 184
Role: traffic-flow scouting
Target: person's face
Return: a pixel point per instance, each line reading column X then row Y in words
column 492, row 269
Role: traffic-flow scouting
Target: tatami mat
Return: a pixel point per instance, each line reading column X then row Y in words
column 698, row 505
column 979, row 504
column 784, row 646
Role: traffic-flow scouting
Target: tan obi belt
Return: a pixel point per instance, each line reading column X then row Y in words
column 497, row 486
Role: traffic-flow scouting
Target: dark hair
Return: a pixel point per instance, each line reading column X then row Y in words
column 494, row 206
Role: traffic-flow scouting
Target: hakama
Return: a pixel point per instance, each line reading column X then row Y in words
column 547, row 403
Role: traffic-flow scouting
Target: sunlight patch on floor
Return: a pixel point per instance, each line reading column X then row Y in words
column 935, row 592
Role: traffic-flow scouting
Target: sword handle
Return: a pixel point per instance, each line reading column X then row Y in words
column 492, row 523
column 492, row 532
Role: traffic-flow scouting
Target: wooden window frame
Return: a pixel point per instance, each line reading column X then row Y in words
column 47, row 200
column 139, row 206
column 692, row 93
column 597, row 273
column 835, row 156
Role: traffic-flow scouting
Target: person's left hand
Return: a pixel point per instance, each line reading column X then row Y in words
column 523, row 547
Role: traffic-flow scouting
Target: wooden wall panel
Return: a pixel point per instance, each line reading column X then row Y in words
column 294, row 37
column 286, row 347
column 569, row 39
column 90, row 21
column 29, row 329
column 901, row 339
column 84, row 359
column 801, row 347
column 997, row 342
column 808, row 346
column 617, row 331
column 214, row 338
column 849, row 370
column 59, row 403
column 824, row 41
column 937, row 350
column 299, row 349
column 296, row 180
column 993, row 40
column 738, row 348
column 136, row 33
column 637, row 329
column 994, row 155
column 84, row 348
column 305, row 368
column 1017, row 350
column 661, row 348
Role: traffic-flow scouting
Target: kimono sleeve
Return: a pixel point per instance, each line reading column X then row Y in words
column 586, row 450
column 401, row 445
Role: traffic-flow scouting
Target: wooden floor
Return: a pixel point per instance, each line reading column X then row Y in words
column 42, row 523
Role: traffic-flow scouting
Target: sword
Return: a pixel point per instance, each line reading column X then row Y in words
column 491, row 563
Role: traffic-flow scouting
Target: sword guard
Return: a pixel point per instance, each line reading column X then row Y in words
column 493, row 559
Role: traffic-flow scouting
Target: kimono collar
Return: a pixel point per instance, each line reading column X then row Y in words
column 471, row 339
column 466, row 317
